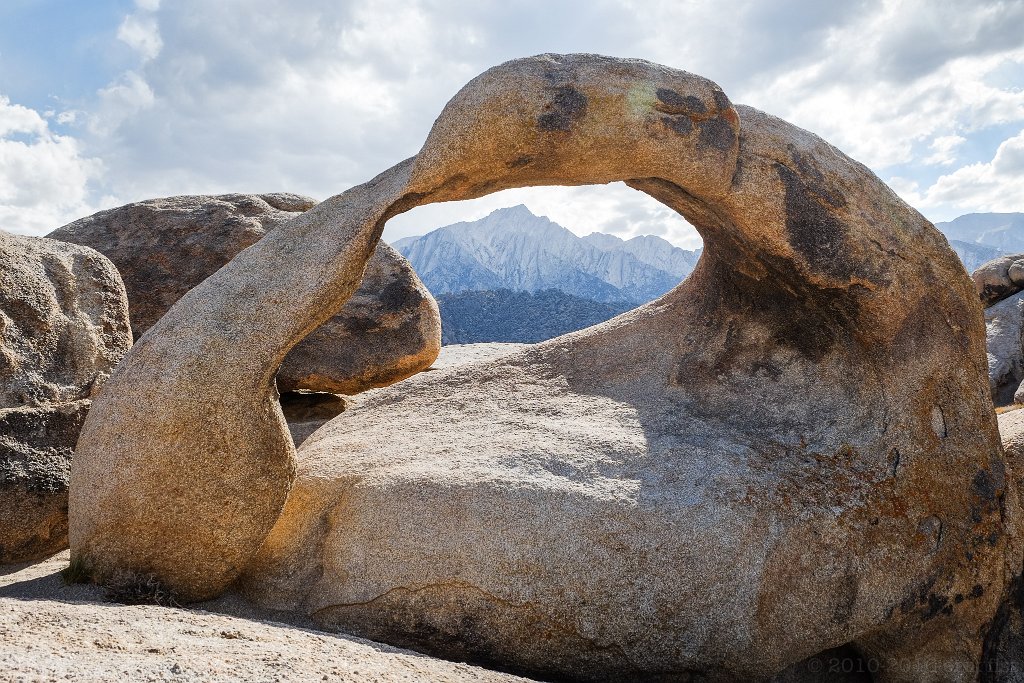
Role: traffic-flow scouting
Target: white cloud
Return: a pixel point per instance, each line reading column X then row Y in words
column 878, row 78
column 313, row 97
column 944, row 149
column 44, row 178
column 141, row 33
column 997, row 185
column 15, row 119
column 119, row 102
column 882, row 123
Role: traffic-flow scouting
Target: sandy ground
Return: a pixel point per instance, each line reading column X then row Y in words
column 50, row 631
column 460, row 354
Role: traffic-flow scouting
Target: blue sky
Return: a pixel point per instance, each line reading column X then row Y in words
column 106, row 102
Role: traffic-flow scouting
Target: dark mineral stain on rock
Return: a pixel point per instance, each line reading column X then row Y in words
column 804, row 166
column 568, row 105
column 397, row 297
column 983, row 486
column 716, row 133
column 722, row 100
column 680, row 124
column 520, row 161
column 814, row 231
column 937, row 604
column 677, row 103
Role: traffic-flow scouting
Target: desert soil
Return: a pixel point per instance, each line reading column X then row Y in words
column 50, row 631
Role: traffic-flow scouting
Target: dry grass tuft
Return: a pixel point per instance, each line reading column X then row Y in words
column 136, row 588
column 77, row 571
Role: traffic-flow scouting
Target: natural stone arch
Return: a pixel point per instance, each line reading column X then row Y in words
column 834, row 397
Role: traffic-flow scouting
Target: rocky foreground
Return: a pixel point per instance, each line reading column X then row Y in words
column 53, row 631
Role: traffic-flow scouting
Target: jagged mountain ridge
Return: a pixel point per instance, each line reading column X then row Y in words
column 1002, row 231
column 514, row 249
column 972, row 254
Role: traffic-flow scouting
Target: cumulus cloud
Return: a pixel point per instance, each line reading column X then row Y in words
column 996, row 185
column 882, row 105
column 943, row 149
column 264, row 95
column 140, row 33
column 44, row 178
column 119, row 102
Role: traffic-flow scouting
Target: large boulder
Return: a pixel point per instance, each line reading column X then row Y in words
column 36, row 445
column 999, row 278
column 1004, row 325
column 387, row 331
column 791, row 452
column 64, row 321
column 1004, row 644
column 63, row 328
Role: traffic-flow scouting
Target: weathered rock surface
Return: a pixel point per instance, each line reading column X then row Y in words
column 389, row 329
column 36, row 445
column 63, row 328
column 1004, row 645
column 1004, row 326
column 51, row 631
column 63, row 321
column 999, row 283
column 999, row 278
column 308, row 412
column 463, row 354
column 792, row 451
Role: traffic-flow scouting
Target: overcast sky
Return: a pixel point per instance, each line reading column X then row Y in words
column 111, row 101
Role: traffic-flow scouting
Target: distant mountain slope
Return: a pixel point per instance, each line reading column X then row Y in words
column 1003, row 231
column 514, row 249
column 649, row 249
column 506, row 316
column 973, row 255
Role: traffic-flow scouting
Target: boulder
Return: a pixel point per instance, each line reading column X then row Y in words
column 64, row 321
column 999, row 278
column 791, row 452
column 1004, row 325
column 387, row 331
column 36, row 445
column 1004, row 644
column 63, row 328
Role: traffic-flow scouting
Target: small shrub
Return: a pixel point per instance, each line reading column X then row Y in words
column 76, row 572
column 137, row 588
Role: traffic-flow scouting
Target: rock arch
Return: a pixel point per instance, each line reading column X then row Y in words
column 790, row 451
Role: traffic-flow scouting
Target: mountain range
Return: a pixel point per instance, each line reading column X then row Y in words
column 515, row 276
column 980, row 237
column 1002, row 231
column 515, row 250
